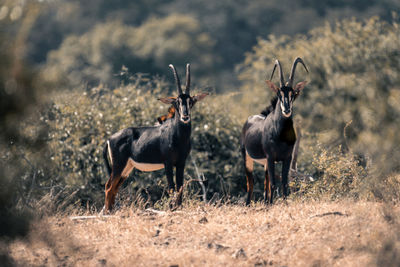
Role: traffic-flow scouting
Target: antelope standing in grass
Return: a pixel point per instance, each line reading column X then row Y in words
column 270, row 137
column 155, row 147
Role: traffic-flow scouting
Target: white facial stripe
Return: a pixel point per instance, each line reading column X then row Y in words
column 180, row 108
column 187, row 116
column 283, row 113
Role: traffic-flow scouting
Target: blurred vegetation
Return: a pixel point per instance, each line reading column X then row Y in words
column 18, row 97
column 143, row 34
column 98, row 55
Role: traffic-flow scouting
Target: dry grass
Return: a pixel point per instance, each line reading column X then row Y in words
column 344, row 233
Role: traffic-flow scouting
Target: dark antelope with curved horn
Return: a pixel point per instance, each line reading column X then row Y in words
column 270, row 137
column 153, row 148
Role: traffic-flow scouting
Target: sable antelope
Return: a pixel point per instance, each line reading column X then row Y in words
column 270, row 137
column 155, row 147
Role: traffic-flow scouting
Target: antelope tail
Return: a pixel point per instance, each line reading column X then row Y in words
column 107, row 150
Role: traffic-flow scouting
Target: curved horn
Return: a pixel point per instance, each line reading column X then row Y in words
column 291, row 77
column 178, row 82
column 281, row 80
column 187, row 79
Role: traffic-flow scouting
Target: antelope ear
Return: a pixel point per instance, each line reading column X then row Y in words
column 272, row 86
column 167, row 100
column 199, row 97
column 299, row 87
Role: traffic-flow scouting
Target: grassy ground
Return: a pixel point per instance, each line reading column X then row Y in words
column 310, row 233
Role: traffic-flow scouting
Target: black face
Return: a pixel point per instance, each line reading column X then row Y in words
column 183, row 105
column 286, row 96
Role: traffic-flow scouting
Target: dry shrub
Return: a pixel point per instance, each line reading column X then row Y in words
column 340, row 172
column 336, row 174
column 384, row 188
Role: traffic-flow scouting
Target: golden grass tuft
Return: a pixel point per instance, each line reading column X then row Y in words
column 343, row 233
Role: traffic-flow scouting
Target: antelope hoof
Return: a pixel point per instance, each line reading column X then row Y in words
column 103, row 211
column 248, row 201
column 176, row 200
column 179, row 197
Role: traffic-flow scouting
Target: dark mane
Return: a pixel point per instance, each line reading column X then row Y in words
column 269, row 109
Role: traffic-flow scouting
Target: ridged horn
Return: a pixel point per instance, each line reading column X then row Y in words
column 281, row 80
column 178, row 82
column 291, row 77
column 188, row 79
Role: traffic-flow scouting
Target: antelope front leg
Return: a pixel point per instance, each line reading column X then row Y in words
column 285, row 174
column 271, row 174
column 179, row 182
column 267, row 184
column 107, row 198
column 111, row 190
column 169, row 172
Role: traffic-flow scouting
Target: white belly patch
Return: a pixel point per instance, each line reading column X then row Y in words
column 146, row 167
column 260, row 161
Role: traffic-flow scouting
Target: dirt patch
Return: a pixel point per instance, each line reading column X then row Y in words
column 344, row 233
